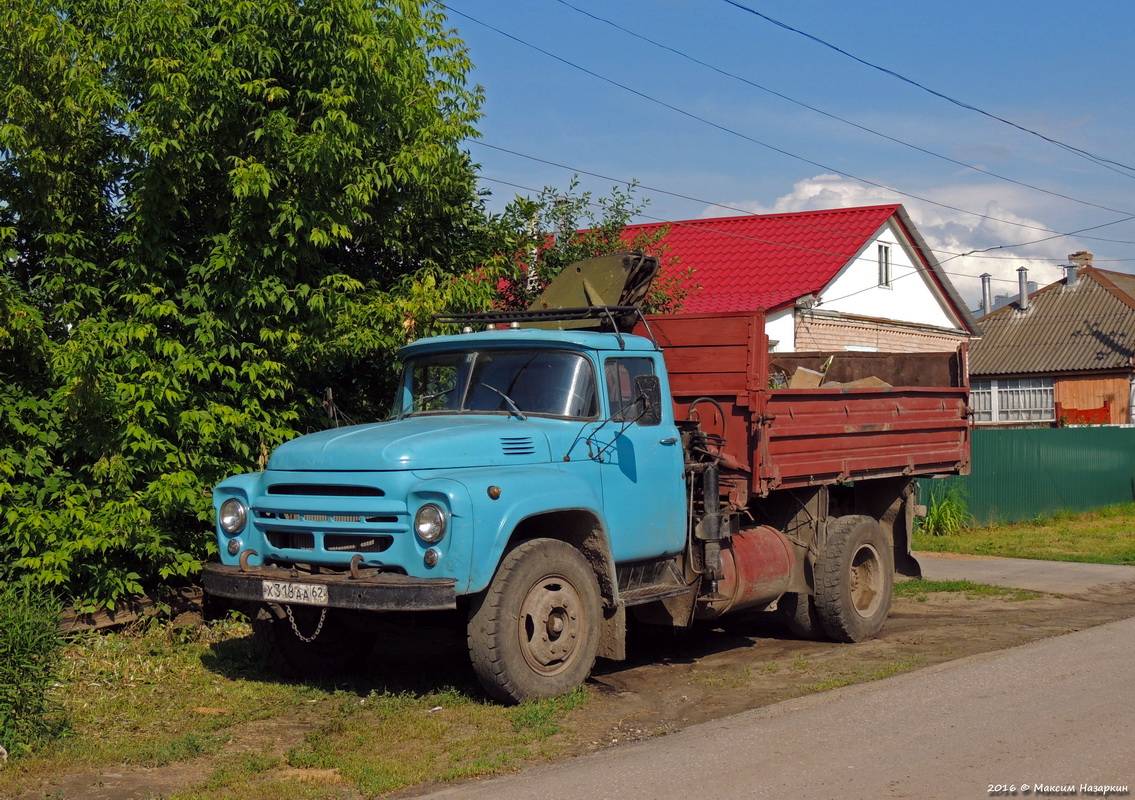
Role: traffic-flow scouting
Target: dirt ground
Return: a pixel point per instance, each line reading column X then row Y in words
column 674, row 680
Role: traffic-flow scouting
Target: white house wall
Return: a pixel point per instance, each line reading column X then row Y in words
column 911, row 297
column 780, row 327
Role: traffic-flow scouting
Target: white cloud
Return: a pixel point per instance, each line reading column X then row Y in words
column 953, row 235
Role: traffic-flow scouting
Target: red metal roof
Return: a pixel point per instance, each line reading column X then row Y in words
column 768, row 260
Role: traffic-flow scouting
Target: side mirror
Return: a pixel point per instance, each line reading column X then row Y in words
column 648, row 392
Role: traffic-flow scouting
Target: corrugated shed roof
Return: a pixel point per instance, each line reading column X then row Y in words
column 768, row 260
column 1088, row 326
column 1121, row 281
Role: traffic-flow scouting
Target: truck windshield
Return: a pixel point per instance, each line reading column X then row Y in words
column 553, row 383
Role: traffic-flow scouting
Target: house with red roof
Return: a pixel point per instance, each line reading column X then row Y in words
column 839, row 279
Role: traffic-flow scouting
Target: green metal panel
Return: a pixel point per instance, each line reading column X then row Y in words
column 1022, row 474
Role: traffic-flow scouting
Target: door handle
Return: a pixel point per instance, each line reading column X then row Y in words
column 671, row 440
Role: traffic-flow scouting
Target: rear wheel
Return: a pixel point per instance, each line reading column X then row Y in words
column 854, row 579
column 534, row 633
column 799, row 614
column 308, row 642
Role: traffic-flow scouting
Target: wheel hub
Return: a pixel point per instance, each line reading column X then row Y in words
column 866, row 580
column 549, row 625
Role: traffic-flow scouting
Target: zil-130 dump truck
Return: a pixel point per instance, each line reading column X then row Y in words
column 562, row 467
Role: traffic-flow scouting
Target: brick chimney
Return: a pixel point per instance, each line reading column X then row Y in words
column 1076, row 260
column 1081, row 259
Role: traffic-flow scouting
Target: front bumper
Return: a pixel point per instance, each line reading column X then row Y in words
column 371, row 591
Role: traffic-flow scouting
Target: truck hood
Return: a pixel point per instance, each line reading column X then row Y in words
column 434, row 442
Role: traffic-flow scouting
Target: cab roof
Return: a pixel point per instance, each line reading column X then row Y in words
column 530, row 337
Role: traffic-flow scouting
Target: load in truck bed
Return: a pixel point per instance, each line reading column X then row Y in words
column 911, row 420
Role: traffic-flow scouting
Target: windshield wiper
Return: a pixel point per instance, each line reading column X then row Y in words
column 423, row 399
column 515, row 408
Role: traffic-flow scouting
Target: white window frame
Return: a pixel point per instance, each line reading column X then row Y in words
column 886, row 273
column 1013, row 400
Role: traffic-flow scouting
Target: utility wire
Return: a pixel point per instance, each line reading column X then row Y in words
column 1038, row 241
column 1102, row 161
column 1055, row 234
column 654, row 189
column 738, row 134
column 829, row 115
column 729, row 234
column 917, row 269
column 746, row 237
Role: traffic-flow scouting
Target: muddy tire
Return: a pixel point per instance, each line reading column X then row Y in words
column 798, row 611
column 854, row 579
column 534, row 632
column 337, row 650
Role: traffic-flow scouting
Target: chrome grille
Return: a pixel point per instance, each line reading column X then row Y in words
column 341, row 542
column 295, row 516
column 291, row 540
column 324, row 490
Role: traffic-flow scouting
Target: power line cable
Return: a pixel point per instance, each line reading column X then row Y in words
column 837, row 118
column 1102, row 161
column 729, row 234
column 746, row 237
column 981, row 254
column 629, row 183
column 738, row 134
column 537, row 159
column 916, row 269
column 1038, row 241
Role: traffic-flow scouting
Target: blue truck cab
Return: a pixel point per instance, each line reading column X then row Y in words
column 529, row 477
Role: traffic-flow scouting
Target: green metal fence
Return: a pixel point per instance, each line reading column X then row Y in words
column 1021, row 474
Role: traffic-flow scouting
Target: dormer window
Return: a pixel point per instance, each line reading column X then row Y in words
column 885, row 266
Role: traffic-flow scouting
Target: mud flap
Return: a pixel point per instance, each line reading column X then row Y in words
column 613, row 636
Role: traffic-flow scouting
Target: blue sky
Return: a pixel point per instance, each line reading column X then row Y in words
column 1065, row 70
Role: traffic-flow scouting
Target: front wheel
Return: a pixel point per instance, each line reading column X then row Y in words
column 534, row 633
column 854, row 579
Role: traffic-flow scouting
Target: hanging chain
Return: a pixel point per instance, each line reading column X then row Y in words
column 296, row 631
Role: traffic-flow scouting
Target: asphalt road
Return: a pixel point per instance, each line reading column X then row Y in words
column 1054, row 718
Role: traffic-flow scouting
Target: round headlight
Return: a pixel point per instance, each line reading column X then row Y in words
column 429, row 523
column 233, row 516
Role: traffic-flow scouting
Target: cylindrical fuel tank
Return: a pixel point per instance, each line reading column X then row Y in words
column 757, row 565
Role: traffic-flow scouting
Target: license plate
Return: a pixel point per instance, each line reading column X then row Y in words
column 302, row 593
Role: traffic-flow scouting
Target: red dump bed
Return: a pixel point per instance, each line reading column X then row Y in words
column 913, row 421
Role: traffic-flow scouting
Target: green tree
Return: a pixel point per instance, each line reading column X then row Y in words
column 560, row 227
column 210, row 210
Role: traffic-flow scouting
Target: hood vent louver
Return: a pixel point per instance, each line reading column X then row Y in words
column 517, row 445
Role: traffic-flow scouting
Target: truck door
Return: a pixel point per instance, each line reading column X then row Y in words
column 644, row 495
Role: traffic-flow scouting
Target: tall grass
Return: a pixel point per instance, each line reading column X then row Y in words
column 947, row 512
column 30, row 648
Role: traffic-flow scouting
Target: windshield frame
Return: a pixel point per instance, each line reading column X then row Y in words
column 549, row 382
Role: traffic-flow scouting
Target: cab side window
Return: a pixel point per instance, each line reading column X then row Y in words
column 619, row 374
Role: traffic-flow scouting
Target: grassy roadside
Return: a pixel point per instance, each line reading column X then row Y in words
column 157, row 695
column 199, row 703
column 919, row 589
column 1105, row 536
